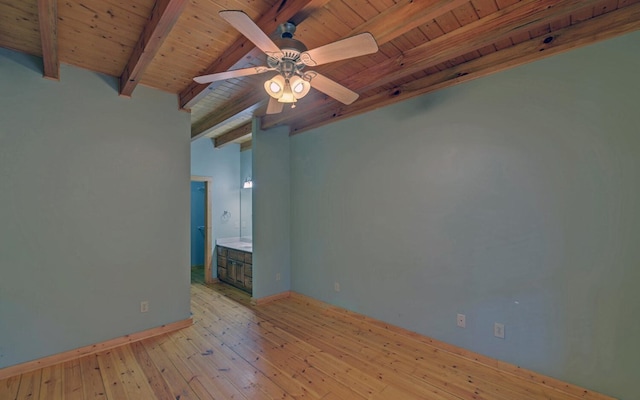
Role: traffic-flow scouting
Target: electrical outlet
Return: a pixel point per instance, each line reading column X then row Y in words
column 278, row 276
column 461, row 321
column 498, row 330
column 336, row 286
column 144, row 306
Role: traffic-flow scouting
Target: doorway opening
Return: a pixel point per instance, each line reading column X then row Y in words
column 201, row 229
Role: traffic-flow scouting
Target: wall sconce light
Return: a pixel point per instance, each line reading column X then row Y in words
column 248, row 183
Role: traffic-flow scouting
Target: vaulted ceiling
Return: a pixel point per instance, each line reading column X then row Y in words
column 424, row 45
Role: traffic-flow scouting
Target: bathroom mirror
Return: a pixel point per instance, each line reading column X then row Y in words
column 246, row 209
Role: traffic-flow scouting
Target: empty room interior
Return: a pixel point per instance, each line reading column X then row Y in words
column 319, row 199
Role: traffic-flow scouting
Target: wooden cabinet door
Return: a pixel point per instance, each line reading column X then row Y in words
column 239, row 276
column 222, row 266
column 235, row 267
column 231, row 271
column 248, row 279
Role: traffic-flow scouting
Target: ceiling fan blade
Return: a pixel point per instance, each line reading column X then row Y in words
column 236, row 73
column 248, row 28
column 274, row 106
column 331, row 88
column 354, row 46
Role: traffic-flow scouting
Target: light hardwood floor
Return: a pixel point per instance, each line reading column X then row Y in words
column 295, row 348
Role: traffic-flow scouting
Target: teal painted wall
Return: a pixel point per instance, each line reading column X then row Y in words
column 197, row 223
column 246, row 208
column 94, row 210
column 513, row 198
column 271, row 211
column 223, row 167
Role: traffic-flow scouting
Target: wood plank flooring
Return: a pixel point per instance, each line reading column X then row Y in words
column 294, row 348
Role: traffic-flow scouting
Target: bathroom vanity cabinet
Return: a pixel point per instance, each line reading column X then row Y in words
column 235, row 267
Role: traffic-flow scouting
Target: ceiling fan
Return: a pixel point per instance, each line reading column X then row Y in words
column 288, row 57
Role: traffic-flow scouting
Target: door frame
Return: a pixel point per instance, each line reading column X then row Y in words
column 208, row 229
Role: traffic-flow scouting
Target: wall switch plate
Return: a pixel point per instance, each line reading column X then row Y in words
column 336, row 286
column 144, row 306
column 498, row 330
column 461, row 321
column 278, row 276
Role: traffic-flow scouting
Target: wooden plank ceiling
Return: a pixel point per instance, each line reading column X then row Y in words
column 424, row 45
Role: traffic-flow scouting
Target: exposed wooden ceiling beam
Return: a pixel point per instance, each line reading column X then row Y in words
column 236, row 53
column 245, row 145
column 163, row 17
column 519, row 17
column 505, row 23
column 48, row 21
column 237, row 133
column 600, row 28
column 231, row 108
column 390, row 24
column 404, row 16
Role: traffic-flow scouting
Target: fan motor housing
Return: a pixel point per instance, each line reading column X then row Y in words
column 291, row 50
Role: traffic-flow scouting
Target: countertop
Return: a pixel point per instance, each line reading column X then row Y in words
column 241, row 244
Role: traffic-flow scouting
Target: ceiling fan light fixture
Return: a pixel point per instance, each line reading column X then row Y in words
column 287, row 90
column 287, row 94
column 289, row 56
column 275, row 86
column 299, row 86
